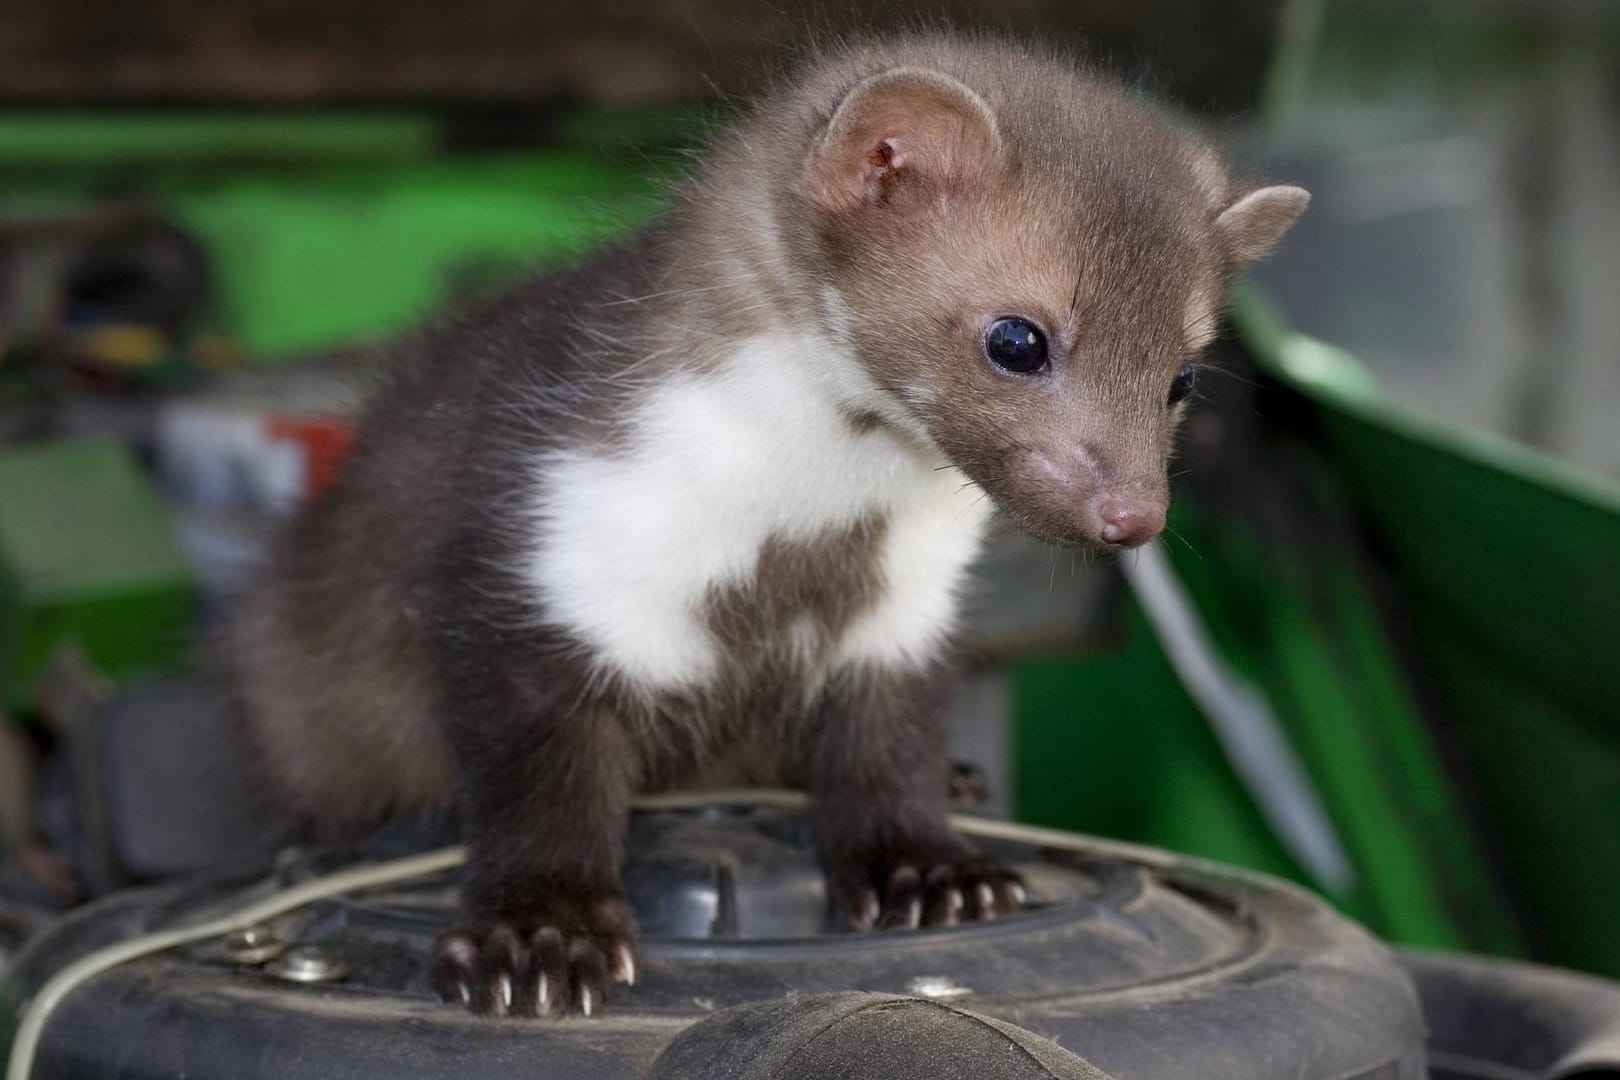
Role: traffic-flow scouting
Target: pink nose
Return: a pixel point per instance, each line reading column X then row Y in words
column 1129, row 522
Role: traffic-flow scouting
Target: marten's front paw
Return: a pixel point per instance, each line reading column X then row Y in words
column 925, row 886
column 559, row 959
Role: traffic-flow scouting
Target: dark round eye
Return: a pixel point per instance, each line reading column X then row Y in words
column 1015, row 345
column 1183, row 384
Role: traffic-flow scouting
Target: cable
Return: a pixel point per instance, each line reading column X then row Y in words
column 1243, row 722
column 25, row 1044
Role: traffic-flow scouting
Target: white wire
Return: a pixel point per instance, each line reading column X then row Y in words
column 1243, row 723
column 25, row 1044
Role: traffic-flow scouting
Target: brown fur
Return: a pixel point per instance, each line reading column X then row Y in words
column 803, row 594
column 896, row 196
column 1095, row 217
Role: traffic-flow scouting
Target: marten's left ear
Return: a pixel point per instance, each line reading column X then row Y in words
column 1253, row 224
column 904, row 125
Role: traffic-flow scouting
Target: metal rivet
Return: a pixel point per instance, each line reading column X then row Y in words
column 250, row 947
column 308, row 964
column 938, row 987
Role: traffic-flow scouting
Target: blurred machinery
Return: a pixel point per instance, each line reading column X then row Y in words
column 185, row 302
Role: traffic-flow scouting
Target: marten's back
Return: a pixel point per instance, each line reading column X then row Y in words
column 329, row 655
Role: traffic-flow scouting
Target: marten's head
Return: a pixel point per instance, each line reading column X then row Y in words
column 1028, row 264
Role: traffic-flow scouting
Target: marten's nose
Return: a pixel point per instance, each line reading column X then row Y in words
column 1128, row 522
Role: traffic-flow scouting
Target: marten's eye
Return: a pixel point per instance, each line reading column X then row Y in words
column 1015, row 345
column 1183, row 384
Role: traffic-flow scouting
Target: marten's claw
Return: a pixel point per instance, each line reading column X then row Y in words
column 943, row 891
column 556, row 963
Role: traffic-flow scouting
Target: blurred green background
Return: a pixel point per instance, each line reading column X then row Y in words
column 1377, row 652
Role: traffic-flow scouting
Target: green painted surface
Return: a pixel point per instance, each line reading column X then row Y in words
column 329, row 228
column 102, row 139
column 1110, row 744
column 307, row 261
column 313, row 258
column 1508, row 563
column 86, row 557
column 1300, row 625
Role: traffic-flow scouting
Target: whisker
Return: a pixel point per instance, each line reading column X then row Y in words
column 1184, row 541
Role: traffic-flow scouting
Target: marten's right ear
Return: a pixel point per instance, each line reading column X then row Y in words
column 905, row 125
column 1251, row 226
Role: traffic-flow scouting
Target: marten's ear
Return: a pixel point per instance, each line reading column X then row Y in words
column 905, row 124
column 1253, row 224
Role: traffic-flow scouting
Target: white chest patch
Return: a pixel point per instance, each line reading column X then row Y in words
column 627, row 547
